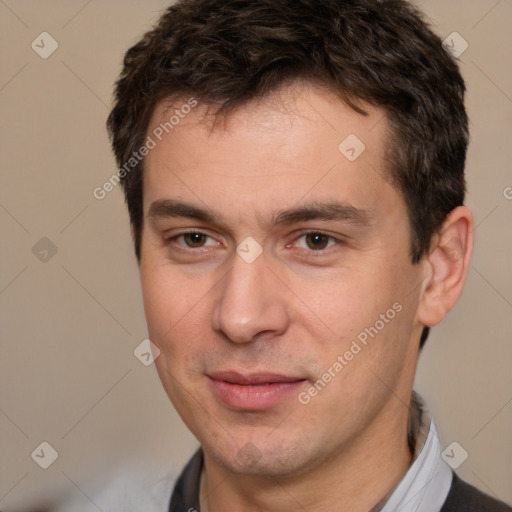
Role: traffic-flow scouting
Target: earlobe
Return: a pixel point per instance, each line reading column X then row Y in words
column 446, row 267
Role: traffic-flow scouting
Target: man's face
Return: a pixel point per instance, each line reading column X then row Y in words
column 255, row 347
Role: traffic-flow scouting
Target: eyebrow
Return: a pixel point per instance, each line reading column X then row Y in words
column 331, row 210
column 328, row 211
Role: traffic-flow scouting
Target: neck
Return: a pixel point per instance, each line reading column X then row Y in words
column 354, row 479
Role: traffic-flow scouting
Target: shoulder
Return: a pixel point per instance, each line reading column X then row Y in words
column 463, row 497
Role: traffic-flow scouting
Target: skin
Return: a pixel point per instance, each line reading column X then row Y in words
column 296, row 308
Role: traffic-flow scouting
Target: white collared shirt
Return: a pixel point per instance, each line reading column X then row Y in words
column 426, row 484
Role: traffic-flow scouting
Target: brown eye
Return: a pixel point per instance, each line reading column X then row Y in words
column 317, row 241
column 194, row 239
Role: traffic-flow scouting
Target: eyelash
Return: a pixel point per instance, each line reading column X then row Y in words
column 319, row 252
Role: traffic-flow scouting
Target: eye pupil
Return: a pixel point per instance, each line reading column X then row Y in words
column 194, row 239
column 318, row 240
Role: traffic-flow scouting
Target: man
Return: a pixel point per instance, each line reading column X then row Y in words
column 294, row 175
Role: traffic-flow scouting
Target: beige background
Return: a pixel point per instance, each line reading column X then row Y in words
column 70, row 325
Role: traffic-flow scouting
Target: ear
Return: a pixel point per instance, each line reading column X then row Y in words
column 446, row 266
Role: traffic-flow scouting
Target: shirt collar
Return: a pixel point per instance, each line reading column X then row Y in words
column 426, row 484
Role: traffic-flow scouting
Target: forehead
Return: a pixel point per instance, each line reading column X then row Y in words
column 300, row 141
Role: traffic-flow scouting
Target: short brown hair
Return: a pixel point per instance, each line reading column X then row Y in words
column 375, row 52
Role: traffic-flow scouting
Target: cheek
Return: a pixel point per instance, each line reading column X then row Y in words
column 177, row 314
column 158, row 304
column 344, row 302
column 164, row 302
column 364, row 313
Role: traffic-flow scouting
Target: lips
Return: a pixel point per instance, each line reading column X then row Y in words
column 253, row 379
column 253, row 391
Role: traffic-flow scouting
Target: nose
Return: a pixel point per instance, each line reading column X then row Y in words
column 252, row 301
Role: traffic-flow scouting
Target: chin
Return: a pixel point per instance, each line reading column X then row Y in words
column 279, row 458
